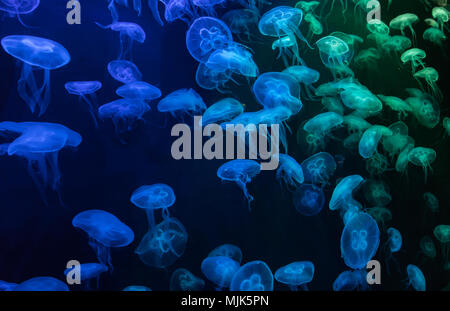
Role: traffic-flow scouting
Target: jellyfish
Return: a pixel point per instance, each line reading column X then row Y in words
column 321, row 125
column 367, row 59
column 163, row 244
column 350, row 281
column 377, row 165
column 415, row 57
column 35, row 53
column 396, row 104
column 376, row 192
column 178, row 9
column 404, row 21
column 376, row 26
column 393, row 245
column 105, row 231
column 137, row 6
column 399, row 139
column 319, row 168
column 288, row 49
column 19, row 7
column 295, row 274
column 227, row 250
column 416, row 279
column 425, row 108
column 206, row 35
column 89, row 271
column 224, row 110
column 207, row 6
column 381, row 215
column 84, row 90
column 219, row 270
column 43, row 283
column 342, row 197
column 424, row 157
column 315, row 27
column 129, row 32
column 431, row 76
column 184, row 280
column 333, row 104
column 306, row 77
column 182, row 101
column 442, row 234
column 431, row 202
column 396, row 45
column 431, row 22
column 370, row 139
column 356, row 124
column 361, row 99
column 6, row 286
column 289, row 171
column 359, row 241
column 139, row 90
column 39, row 143
column 441, row 15
column 242, row 22
column 307, row 6
column 435, row 35
column 124, row 71
column 427, row 247
column 334, row 52
column 309, row 199
column 241, row 172
column 137, row 288
column 209, row 78
column 253, row 276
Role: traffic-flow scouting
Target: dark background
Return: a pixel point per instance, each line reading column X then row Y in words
column 36, row 240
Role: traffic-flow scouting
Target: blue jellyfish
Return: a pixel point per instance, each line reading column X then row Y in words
column 298, row 273
column 38, row 53
column 309, row 199
column 43, row 283
column 84, row 90
column 242, row 22
column 320, row 126
column 137, row 6
column 224, row 110
column 209, row 78
column 227, row 250
column 253, row 276
column 136, row 288
column 178, row 9
column 18, row 7
column 39, row 143
column 393, row 245
column 318, row 168
column 370, row 139
column 342, row 197
column 124, row 71
column 129, row 32
column 6, row 286
column 184, row 280
column 219, row 270
column 139, row 90
column 89, row 271
column 306, row 77
column 105, row 231
column 154, row 197
column 289, row 171
column 182, row 101
column 163, row 244
column 350, row 281
column 207, row 6
column 359, row 241
column 153, row 5
column 241, row 172
column 206, row 35
column 416, row 279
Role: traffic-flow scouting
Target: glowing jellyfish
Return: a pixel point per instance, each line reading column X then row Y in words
column 289, row 171
column 359, row 241
column 427, row 247
column 241, row 172
column 370, row 139
column 305, row 76
column 182, row 101
column 224, row 110
column 431, row 76
column 43, row 283
column 342, row 196
column 396, row 104
column 152, row 198
column 105, row 231
column 227, row 250
column 404, row 21
column 416, row 279
column 431, row 22
column 414, row 56
column 431, row 202
column 124, row 71
column 441, row 15
column 425, row 108
column 381, row 215
column 320, row 126
column 298, row 273
column 356, row 124
column 367, row 58
column 19, row 7
column 315, row 27
column 361, row 99
column 242, row 22
column 435, row 36
column 208, row 5
column 178, row 9
column 334, row 52
column 288, row 49
column 163, row 244
column 395, row 45
column 376, row 26
column 219, row 270
column 6, row 286
column 253, row 276
column 184, row 280
column 319, row 168
column 350, row 281
column 35, row 53
column 137, row 288
column 333, row 104
column 129, row 32
column 393, row 245
column 307, row 6
column 423, row 157
column 377, row 165
column 209, row 78
column 442, row 234
column 309, row 199
column 139, row 90
column 376, row 192
column 39, row 143
column 399, row 139
column 137, row 6
column 84, row 90
column 153, row 5
column 88, row 272
column 206, row 35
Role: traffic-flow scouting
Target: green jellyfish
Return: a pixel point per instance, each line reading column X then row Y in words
column 441, row 15
column 415, row 57
column 431, row 76
column 307, row 6
column 435, row 35
column 424, row 157
column 404, row 21
column 431, row 202
column 376, row 26
column 381, row 215
column 431, row 22
column 396, row 45
column 427, row 247
column 442, row 233
column 367, row 59
column 402, row 160
column 425, row 108
column 396, row 104
column 377, row 164
column 315, row 27
column 399, row 139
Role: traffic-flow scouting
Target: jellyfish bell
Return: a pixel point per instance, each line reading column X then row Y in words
column 431, row 202
column 298, row 273
column 234, row 58
column 227, row 250
column 396, row 104
column 423, row 157
column 224, row 110
column 219, row 270
column 360, row 99
column 43, row 283
column 208, row 5
column 367, row 58
column 253, row 276
column 378, row 27
column 427, row 247
column 435, row 36
column 309, row 199
column 6, row 286
column 416, row 279
column 178, row 9
column 395, row 45
column 442, row 234
column 182, row 101
column 139, row 90
column 431, row 76
column 404, row 21
column 370, row 139
column 334, row 52
column 184, row 280
column 35, row 52
column 415, row 57
column 289, row 171
column 124, row 71
column 441, row 15
column 342, row 196
column 350, row 281
column 19, row 7
column 305, row 76
column 425, row 108
column 318, row 168
column 323, row 123
column 376, row 192
column 242, row 22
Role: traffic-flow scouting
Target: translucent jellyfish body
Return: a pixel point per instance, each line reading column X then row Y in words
column 182, row 101
column 367, row 59
column 305, row 76
column 425, row 108
column 227, row 250
column 224, row 110
column 361, row 99
column 219, row 270
column 371, row 137
column 334, row 52
column 207, row 6
column 442, row 234
column 43, row 283
column 430, row 76
column 396, row 104
column 289, row 171
column 105, row 231
column 242, row 22
column 309, row 199
column 184, row 280
column 88, row 272
column 415, row 57
column 427, row 247
column 342, row 197
column 35, row 53
column 124, row 71
column 129, row 33
column 393, row 244
column 404, row 21
column 382, row 215
column 319, row 168
column 288, row 51
column 139, row 90
column 178, row 9
column 431, row 202
column 320, row 126
column 415, row 279
column 253, row 276
column 86, row 92
column 422, row 157
column 435, row 36
column 19, row 7
column 376, row 192
column 296, row 274
column 350, row 281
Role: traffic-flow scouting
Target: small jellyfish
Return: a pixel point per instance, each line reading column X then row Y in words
column 431, row 202
column 19, row 7
column 163, row 244
column 207, row 6
column 288, row 49
column 416, row 279
column 43, row 283
column 315, row 27
column 241, row 172
column 88, row 272
column 404, row 21
column 307, row 6
column 227, row 250
column 219, row 270
column 350, row 281
column 242, row 22
column 435, row 36
column 309, row 199
column 425, row 108
column 139, row 90
column 361, row 99
column 124, row 71
column 333, row 104
column 222, row 111
column 381, row 215
column 377, row 165
column 253, row 276
column 370, row 139
column 35, row 53
column 319, row 168
column 376, row 26
column 178, row 9
column 442, row 234
column 356, row 124
column 105, row 231
column 6, row 286
column 359, row 241
column 424, row 157
column 396, row 104
column 414, row 56
column 84, row 90
column 376, row 192
column 441, row 15
column 306, row 77
column 367, row 59
column 431, row 76
column 298, row 273
column 209, row 78
column 342, row 196
column 289, row 172
column 182, row 101
column 184, row 280
column 427, row 247
column 320, row 126
column 334, row 52
column 136, row 288
column 393, row 245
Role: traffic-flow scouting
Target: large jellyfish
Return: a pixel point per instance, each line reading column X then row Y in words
column 370, row 139
column 319, row 168
column 105, row 231
column 295, row 274
column 242, row 22
column 43, row 283
column 35, row 53
column 124, row 71
column 129, row 32
column 182, row 101
column 39, row 143
column 224, row 110
column 88, row 272
column 227, row 250
column 253, row 276
column 289, row 171
column 139, row 90
column 184, row 280
column 84, row 90
column 309, row 199
column 342, row 197
column 415, row 57
column 431, row 76
column 423, row 157
column 241, row 172
column 404, row 21
column 219, row 270
column 359, row 241
column 415, row 279
column 164, row 244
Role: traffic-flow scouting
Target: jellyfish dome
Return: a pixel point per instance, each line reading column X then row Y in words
column 39, row 53
column 427, row 246
column 361, row 99
column 43, row 283
column 6, row 286
column 394, row 240
column 219, row 270
column 178, row 9
column 319, row 168
column 129, row 32
column 86, row 89
column 227, row 250
column 423, row 157
column 321, row 124
column 253, row 276
column 333, row 51
column 359, row 241
column 19, row 6
column 224, row 110
column 139, row 90
column 206, row 35
column 295, row 274
column 234, row 58
column 242, row 22
column 416, row 279
column 309, row 199
column 350, row 281
column 182, row 101
column 163, row 244
column 105, row 231
column 431, row 202
column 376, row 192
column 404, row 21
column 425, row 108
column 305, row 76
column 342, row 195
column 124, row 71
column 184, row 280
column 89, row 271
column 370, row 139
column 289, row 171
